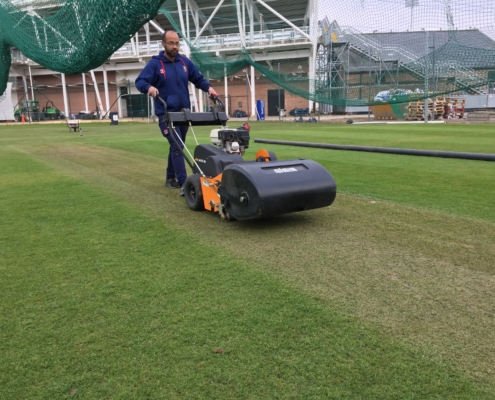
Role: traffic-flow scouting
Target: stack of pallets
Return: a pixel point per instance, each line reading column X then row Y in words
column 438, row 108
column 416, row 110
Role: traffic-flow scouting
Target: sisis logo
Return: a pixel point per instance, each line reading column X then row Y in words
column 285, row 170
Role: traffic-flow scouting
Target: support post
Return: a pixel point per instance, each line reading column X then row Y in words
column 253, row 92
column 427, row 72
column 97, row 93
column 200, row 95
column 240, row 23
column 85, row 93
column 181, row 18
column 66, row 103
column 148, row 40
column 188, row 34
column 31, row 80
column 313, row 18
column 279, row 107
column 226, row 90
column 119, row 101
column 24, row 81
column 105, row 84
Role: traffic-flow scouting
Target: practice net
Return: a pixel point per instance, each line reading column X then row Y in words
column 68, row 36
column 348, row 53
column 366, row 52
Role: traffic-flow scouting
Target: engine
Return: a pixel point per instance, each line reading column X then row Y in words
column 231, row 141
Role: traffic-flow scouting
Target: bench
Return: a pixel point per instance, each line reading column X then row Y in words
column 73, row 124
column 301, row 112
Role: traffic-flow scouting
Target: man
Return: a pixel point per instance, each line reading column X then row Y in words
column 168, row 75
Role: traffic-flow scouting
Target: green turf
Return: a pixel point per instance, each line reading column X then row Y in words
column 111, row 288
column 462, row 187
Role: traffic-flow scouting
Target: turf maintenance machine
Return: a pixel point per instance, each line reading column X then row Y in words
column 223, row 182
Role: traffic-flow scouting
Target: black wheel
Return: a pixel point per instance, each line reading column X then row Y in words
column 272, row 155
column 267, row 157
column 193, row 193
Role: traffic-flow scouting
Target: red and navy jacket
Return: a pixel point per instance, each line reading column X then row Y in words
column 171, row 79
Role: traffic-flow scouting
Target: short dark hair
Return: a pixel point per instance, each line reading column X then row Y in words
column 166, row 31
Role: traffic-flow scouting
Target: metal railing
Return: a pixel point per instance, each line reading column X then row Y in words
column 18, row 57
column 272, row 37
column 375, row 48
column 255, row 39
column 421, row 66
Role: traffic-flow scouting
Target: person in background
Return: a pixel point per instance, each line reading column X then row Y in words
column 168, row 75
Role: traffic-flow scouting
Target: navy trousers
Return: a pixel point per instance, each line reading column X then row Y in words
column 176, row 166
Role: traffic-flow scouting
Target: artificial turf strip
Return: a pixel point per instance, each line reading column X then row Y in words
column 99, row 300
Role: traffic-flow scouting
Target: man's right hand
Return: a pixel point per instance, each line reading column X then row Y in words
column 153, row 91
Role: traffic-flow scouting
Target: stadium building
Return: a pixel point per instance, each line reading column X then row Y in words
column 279, row 52
column 272, row 32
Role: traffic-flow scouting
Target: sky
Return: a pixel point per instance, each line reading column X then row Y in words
column 392, row 15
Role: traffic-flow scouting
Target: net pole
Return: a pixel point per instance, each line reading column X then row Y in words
column 369, row 83
column 427, row 71
column 279, row 108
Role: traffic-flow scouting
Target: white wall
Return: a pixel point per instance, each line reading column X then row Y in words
column 6, row 106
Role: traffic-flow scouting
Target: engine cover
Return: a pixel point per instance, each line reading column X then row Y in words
column 212, row 160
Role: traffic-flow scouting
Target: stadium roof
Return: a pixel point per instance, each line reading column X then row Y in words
column 455, row 46
column 226, row 20
column 451, row 45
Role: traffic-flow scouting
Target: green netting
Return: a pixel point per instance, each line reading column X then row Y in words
column 69, row 36
column 348, row 53
column 367, row 52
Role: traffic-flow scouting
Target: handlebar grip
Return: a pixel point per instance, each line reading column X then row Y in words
column 216, row 100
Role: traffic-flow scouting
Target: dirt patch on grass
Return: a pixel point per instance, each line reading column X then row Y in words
column 423, row 277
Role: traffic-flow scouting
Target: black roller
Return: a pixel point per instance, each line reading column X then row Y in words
column 253, row 190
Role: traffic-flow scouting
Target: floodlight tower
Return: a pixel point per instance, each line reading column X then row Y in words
column 411, row 4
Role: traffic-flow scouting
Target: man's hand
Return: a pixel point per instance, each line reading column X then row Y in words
column 153, row 91
column 212, row 93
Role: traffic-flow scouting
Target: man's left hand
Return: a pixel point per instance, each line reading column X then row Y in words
column 212, row 92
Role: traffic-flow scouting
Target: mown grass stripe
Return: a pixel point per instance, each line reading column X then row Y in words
column 101, row 299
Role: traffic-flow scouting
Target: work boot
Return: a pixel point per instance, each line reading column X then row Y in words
column 181, row 191
column 172, row 183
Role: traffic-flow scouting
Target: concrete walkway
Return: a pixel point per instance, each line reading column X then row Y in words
column 332, row 119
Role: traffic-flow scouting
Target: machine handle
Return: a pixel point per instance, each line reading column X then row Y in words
column 216, row 100
column 164, row 106
column 173, row 133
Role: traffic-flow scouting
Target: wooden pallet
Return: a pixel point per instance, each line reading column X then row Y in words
column 438, row 108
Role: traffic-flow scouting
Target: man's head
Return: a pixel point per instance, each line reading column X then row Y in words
column 170, row 42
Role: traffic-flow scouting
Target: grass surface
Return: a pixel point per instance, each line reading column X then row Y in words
column 112, row 288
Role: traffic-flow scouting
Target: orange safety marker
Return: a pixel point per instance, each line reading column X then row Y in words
column 22, row 118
